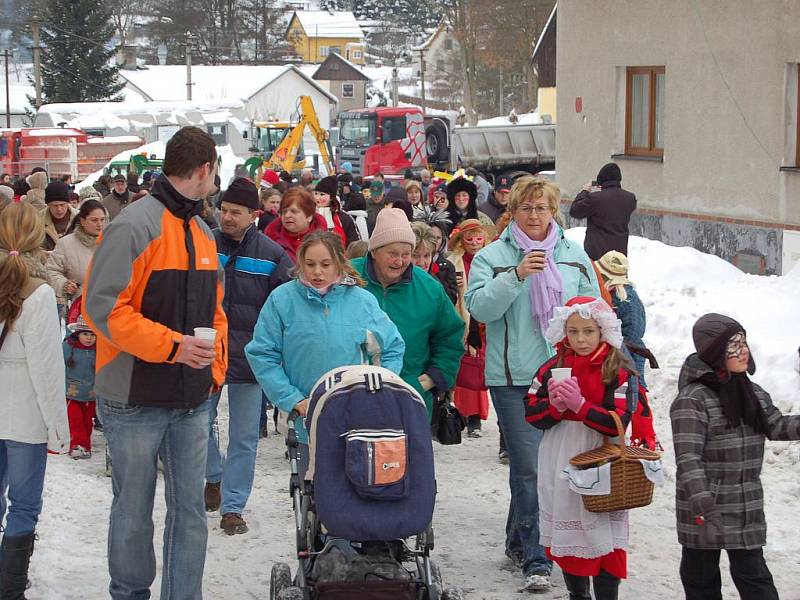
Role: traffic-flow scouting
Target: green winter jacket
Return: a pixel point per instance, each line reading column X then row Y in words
column 427, row 321
column 515, row 347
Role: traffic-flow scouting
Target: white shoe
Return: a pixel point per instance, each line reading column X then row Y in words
column 78, row 453
column 537, row 583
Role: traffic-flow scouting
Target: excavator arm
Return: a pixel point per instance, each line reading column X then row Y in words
column 285, row 155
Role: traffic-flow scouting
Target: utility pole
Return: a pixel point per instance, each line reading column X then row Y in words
column 37, row 61
column 189, row 48
column 395, row 87
column 422, row 75
column 8, row 91
column 500, row 92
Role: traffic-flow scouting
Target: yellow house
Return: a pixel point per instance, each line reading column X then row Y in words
column 317, row 33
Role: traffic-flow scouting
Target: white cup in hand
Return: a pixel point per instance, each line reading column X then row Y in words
column 561, row 373
column 208, row 334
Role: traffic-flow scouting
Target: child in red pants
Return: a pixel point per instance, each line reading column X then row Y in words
column 79, row 359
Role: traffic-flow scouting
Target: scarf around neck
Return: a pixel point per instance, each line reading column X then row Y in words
column 546, row 287
column 738, row 400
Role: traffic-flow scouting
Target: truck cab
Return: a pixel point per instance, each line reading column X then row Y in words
column 385, row 140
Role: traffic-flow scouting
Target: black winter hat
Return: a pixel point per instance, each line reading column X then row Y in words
column 711, row 334
column 461, row 184
column 396, row 194
column 120, row 177
column 327, row 185
column 345, row 179
column 56, row 191
column 609, row 172
column 241, row 191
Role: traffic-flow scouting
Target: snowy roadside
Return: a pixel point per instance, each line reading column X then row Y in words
column 676, row 284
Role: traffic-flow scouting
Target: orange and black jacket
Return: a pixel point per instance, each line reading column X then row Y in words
column 153, row 278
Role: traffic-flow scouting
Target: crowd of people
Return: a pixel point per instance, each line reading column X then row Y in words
column 175, row 293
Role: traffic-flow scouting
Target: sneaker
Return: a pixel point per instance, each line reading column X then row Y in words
column 503, row 457
column 538, row 582
column 233, row 524
column 212, row 496
column 79, row 452
column 475, row 433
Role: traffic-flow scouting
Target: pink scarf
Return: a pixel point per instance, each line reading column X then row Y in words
column 546, row 287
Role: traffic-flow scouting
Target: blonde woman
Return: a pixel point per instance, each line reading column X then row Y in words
column 33, row 413
column 515, row 284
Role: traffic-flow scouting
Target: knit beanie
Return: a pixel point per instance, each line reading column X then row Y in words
column 241, row 191
column 88, row 192
column 327, row 185
column 6, row 193
column 711, row 334
column 56, row 191
column 270, row 177
column 609, row 172
column 391, row 226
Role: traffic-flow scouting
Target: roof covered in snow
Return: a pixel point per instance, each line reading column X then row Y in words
column 210, row 82
column 328, row 24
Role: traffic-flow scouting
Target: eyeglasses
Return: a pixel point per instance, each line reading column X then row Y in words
column 540, row 210
column 736, row 346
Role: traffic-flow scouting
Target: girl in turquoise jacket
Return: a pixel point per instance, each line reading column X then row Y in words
column 322, row 320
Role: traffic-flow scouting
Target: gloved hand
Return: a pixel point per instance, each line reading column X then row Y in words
column 710, row 528
column 570, row 393
column 553, row 393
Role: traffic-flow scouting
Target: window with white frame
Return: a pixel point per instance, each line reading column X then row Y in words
column 357, row 54
column 324, row 50
column 348, row 90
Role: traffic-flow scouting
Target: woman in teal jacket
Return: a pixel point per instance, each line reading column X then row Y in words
column 321, row 320
column 514, row 284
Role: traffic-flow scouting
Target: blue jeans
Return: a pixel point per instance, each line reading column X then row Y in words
column 237, row 470
column 137, row 438
column 522, row 442
column 22, row 469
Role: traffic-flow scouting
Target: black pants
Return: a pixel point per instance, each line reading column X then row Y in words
column 701, row 577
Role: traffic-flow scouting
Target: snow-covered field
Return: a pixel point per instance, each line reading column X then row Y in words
column 676, row 284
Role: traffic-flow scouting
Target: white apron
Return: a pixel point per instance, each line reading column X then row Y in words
column 565, row 526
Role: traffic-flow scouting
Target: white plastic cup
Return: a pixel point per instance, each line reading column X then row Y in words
column 206, row 333
column 561, row 373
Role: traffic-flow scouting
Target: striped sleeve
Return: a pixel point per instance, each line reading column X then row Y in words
column 598, row 418
column 538, row 410
column 689, row 429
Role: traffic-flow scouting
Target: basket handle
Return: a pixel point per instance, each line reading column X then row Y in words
column 620, row 431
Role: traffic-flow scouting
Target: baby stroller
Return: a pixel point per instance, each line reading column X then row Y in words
column 368, row 490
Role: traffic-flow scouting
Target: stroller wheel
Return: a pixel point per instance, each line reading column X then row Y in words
column 291, row 593
column 280, row 579
column 453, row 594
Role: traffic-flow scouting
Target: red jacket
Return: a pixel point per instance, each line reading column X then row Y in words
column 291, row 241
column 600, row 398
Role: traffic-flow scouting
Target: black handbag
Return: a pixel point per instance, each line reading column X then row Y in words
column 448, row 423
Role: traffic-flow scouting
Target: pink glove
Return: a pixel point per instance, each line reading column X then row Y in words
column 570, row 393
column 554, row 393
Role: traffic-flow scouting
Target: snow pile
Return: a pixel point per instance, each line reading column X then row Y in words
column 531, row 118
column 676, row 284
column 227, row 166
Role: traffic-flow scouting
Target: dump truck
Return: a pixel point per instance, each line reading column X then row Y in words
column 390, row 140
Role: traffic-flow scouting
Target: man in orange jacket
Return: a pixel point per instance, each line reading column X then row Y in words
column 153, row 279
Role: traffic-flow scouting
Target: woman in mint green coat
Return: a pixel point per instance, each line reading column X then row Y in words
column 514, row 284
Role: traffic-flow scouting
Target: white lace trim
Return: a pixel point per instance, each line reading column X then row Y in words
column 599, row 310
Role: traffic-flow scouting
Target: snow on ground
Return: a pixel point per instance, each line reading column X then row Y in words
column 676, row 284
column 531, row 118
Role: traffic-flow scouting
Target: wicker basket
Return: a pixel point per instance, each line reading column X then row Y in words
column 630, row 487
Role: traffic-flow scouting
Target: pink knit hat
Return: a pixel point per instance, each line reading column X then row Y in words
column 391, row 226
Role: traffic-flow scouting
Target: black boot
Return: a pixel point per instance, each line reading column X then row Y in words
column 15, row 557
column 606, row 586
column 577, row 586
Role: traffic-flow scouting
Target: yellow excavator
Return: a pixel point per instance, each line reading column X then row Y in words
column 280, row 143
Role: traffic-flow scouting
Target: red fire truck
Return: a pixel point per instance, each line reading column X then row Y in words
column 60, row 151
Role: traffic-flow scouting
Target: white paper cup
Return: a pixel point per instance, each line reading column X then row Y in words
column 205, row 333
column 561, row 373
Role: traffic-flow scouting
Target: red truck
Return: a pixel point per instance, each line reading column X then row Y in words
column 60, row 151
column 391, row 140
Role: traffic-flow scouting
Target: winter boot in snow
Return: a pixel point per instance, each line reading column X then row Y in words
column 212, row 496
column 233, row 524
column 15, row 557
column 578, row 587
column 606, row 586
